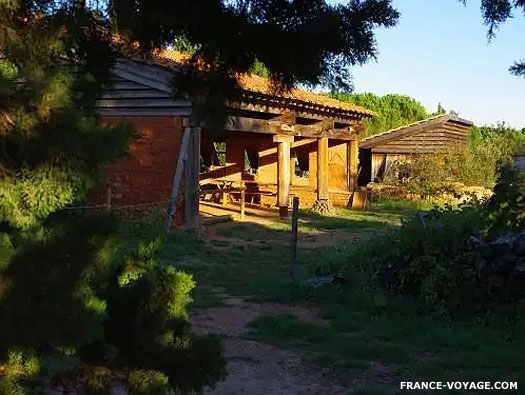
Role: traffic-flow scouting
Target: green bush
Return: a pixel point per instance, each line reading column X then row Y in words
column 506, row 208
column 458, row 261
column 147, row 382
column 9, row 386
column 432, row 259
column 81, row 292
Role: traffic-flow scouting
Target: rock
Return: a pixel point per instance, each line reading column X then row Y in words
column 323, row 207
column 319, row 281
column 474, row 241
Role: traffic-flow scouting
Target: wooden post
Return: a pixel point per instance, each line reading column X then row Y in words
column 283, row 173
column 322, row 205
column 243, row 199
column 293, row 256
column 191, row 179
column 353, row 163
column 322, row 168
column 175, row 185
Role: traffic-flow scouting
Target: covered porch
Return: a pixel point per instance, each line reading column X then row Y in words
column 262, row 160
column 272, row 168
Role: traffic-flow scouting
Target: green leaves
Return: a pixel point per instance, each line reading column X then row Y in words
column 80, row 294
column 392, row 110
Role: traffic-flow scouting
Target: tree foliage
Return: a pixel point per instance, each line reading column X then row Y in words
column 392, row 110
column 233, row 36
column 52, row 145
column 62, row 274
column 80, row 297
column 496, row 12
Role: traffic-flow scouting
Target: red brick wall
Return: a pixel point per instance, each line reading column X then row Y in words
column 145, row 175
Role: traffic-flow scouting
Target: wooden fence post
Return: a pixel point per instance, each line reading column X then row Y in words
column 243, row 199
column 293, row 256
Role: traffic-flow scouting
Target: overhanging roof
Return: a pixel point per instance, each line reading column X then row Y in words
column 431, row 135
column 259, row 95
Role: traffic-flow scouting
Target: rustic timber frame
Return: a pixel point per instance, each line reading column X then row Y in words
column 145, row 89
column 435, row 135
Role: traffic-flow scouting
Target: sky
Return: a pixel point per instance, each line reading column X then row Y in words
column 439, row 53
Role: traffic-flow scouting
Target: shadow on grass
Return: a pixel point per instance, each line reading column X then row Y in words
column 408, row 344
column 260, row 273
column 367, row 326
column 312, row 223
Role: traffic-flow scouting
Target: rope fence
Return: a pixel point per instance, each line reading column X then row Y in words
column 113, row 207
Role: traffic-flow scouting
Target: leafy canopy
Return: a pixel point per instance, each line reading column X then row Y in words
column 52, row 145
column 392, row 110
column 233, row 35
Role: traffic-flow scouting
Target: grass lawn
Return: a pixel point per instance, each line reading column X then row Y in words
column 312, row 223
column 367, row 328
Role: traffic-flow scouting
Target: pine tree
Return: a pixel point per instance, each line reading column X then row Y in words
column 52, row 145
column 70, row 289
column 496, row 12
column 392, row 110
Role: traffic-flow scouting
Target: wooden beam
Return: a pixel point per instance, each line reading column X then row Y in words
column 140, row 93
column 143, row 112
column 131, row 103
column 320, row 129
column 287, row 118
column 177, row 176
column 283, row 139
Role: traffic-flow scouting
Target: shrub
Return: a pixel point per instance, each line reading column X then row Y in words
column 80, row 293
column 506, row 208
column 147, row 382
column 9, row 386
column 432, row 260
column 458, row 261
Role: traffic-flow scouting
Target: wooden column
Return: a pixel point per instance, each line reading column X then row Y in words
column 353, row 163
column 191, row 179
column 283, row 173
column 323, row 204
column 322, row 168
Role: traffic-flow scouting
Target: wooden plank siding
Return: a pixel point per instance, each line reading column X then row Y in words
column 434, row 135
column 141, row 90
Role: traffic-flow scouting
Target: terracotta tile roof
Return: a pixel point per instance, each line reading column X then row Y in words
column 255, row 83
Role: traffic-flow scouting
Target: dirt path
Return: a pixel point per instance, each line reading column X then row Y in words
column 255, row 368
